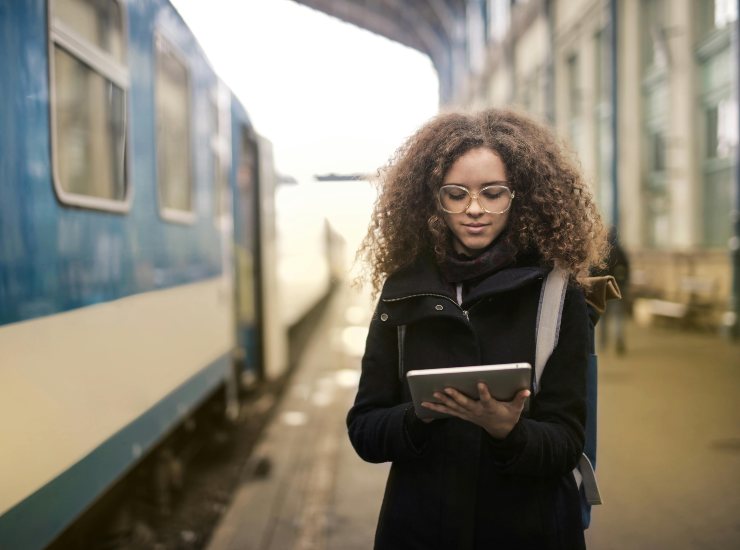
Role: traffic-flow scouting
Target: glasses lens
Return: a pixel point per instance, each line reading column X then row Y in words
column 453, row 199
column 495, row 198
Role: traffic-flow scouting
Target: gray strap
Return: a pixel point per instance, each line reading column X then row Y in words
column 401, row 330
column 586, row 477
column 549, row 314
column 550, row 310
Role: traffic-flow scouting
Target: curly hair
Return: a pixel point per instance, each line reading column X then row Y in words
column 553, row 215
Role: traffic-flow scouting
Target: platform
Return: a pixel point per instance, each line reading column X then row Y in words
column 304, row 487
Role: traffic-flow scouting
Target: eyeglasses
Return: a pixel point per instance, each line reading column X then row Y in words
column 456, row 199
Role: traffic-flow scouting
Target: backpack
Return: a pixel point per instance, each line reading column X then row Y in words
column 550, row 310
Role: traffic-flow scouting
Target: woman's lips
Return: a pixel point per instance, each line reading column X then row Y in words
column 474, row 228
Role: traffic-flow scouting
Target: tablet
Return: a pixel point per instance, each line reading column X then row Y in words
column 504, row 382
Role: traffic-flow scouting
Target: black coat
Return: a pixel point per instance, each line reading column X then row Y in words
column 451, row 484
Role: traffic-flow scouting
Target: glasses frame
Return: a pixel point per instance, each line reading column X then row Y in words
column 474, row 196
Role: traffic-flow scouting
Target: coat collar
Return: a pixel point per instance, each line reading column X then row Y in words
column 422, row 277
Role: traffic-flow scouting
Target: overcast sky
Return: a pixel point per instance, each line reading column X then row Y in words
column 330, row 96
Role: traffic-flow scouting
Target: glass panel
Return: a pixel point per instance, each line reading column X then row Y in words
column 100, row 22
column 90, row 130
column 603, row 66
column 725, row 12
column 220, row 170
column 727, row 128
column 718, row 201
column 710, row 116
column 604, row 165
column 656, row 101
column 574, row 99
column 721, row 140
column 657, row 150
column 602, row 123
column 173, row 131
column 717, row 70
column 574, row 89
column 654, row 44
column 246, row 253
column 658, row 222
column 704, row 16
column 499, row 15
column 714, row 15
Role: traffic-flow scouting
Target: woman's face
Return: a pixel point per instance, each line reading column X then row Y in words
column 474, row 228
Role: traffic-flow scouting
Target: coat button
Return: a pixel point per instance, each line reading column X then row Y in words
column 383, row 316
column 439, row 307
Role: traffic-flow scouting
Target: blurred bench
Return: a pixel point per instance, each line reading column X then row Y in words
column 693, row 306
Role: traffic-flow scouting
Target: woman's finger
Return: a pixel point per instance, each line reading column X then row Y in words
column 521, row 397
column 447, row 400
column 458, row 397
column 483, row 392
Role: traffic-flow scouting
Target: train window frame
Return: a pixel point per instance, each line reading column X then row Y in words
column 175, row 215
column 64, row 37
column 220, row 102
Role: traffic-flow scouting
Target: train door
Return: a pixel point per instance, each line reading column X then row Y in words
column 223, row 200
column 247, row 258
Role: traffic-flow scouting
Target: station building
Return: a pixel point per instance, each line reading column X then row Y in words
column 645, row 92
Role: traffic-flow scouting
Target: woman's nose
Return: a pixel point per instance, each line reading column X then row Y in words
column 474, row 208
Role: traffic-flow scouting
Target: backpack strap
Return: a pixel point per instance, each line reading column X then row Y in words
column 550, row 310
column 586, row 479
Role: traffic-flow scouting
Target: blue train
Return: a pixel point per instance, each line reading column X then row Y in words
column 137, row 249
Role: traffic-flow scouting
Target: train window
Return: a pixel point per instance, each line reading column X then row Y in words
column 89, row 85
column 99, row 22
column 172, row 91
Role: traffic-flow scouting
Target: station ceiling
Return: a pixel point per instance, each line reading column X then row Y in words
column 433, row 27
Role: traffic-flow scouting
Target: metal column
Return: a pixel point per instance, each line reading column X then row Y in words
column 613, row 15
column 732, row 321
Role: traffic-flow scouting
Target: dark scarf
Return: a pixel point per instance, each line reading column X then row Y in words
column 458, row 268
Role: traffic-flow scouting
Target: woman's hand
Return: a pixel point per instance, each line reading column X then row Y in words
column 498, row 418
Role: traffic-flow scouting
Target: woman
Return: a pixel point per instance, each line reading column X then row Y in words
column 472, row 214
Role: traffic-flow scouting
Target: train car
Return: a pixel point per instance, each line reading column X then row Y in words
column 137, row 249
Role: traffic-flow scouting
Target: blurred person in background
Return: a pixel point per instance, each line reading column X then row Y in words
column 473, row 212
column 613, row 320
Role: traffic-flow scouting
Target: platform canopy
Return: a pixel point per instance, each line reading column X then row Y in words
column 434, row 27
